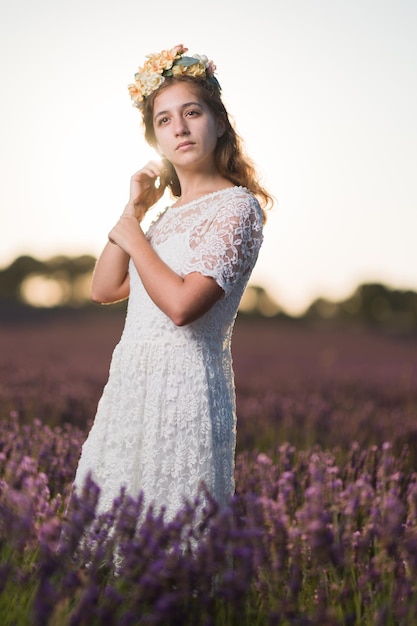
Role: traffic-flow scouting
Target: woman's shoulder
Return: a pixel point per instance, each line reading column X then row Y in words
column 227, row 196
column 221, row 205
column 239, row 201
column 237, row 193
column 232, row 197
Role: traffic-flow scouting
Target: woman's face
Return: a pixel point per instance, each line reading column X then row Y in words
column 185, row 129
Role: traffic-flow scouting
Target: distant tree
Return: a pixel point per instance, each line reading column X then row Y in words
column 324, row 309
column 257, row 301
column 373, row 304
column 70, row 273
column 12, row 276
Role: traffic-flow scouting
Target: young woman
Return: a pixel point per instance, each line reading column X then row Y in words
column 166, row 422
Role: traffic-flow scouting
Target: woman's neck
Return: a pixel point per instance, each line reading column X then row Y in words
column 195, row 186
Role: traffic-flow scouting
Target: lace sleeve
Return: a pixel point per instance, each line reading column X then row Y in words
column 226, row 247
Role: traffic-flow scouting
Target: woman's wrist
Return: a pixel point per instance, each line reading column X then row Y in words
column 129, row 209
column 134, row 209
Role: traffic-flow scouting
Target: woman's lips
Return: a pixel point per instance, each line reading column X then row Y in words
column 184, row 144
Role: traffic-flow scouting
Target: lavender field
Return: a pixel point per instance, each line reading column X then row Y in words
column 322, row 529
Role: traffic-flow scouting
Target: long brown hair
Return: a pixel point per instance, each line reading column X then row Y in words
column 230, row 159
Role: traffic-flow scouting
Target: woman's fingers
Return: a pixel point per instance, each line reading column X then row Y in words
column 124, row 231
column 149, row 173
column 144, row 186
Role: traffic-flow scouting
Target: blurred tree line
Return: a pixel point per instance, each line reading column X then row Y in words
column 59, row 281
column 64, row 281
column 372, row 304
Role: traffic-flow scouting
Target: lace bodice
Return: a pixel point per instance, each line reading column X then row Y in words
column 166, row 421
column 219, row 236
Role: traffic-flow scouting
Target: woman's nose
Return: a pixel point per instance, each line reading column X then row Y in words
column 181, row 127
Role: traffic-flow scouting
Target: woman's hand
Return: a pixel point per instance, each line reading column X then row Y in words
column 144, row 190
column 126, row 233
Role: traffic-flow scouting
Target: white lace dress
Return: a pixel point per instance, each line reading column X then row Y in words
column 166, row 420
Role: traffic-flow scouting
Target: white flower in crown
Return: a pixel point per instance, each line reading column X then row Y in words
column 201, row 58
column 149, row 82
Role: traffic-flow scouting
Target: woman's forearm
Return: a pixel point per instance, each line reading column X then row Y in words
column 111, row 279
column 183, row 300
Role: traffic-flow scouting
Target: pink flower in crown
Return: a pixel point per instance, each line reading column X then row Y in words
column 211, row 68
column 179, row 50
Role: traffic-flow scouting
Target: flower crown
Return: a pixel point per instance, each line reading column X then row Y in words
column 169, row 63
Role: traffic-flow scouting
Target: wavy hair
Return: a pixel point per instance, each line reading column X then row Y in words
column 230, row 159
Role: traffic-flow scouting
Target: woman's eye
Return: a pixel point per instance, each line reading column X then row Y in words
column 191, row 113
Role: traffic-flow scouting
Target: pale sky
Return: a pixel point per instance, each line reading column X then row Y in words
column 324, row 93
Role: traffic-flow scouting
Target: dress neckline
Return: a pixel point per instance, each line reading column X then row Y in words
column 205, row 197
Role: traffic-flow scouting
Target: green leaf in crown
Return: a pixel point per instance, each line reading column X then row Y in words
column 186, row 61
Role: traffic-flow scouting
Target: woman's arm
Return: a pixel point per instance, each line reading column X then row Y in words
column 111, row 278
column 183, row 300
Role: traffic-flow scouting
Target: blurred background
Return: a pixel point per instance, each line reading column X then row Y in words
column 323, row 93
